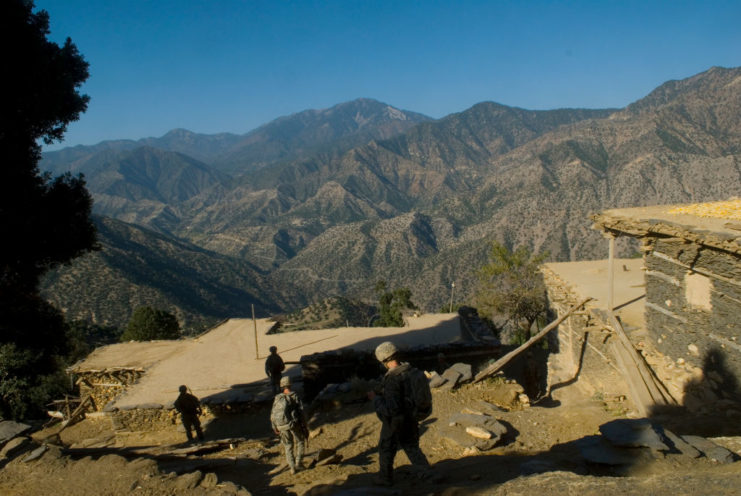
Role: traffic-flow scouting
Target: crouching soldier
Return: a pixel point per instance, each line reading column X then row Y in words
column 399, row 427
column 189, row 408
column 287, row 420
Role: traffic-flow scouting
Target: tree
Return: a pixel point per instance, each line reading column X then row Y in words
column 391, row 304
column 147, row 323
column 44, row 221
column 511, row 284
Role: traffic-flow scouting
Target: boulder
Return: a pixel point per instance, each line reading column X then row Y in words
column 210, row 480
column 596, row 449
column 36, row 454
column 15, row 447
column 10, row 429
column 451, row 376
column 681, row 445
column 188, row 481
column 465, row 370
column 436, row 380
column 633, row 433
column 710, row 449
column 479, row 432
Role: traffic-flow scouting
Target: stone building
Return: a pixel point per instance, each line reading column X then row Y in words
column 692, row 277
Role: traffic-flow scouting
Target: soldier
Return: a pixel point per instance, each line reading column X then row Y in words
column 274, row 367
column 287, row 420
column 189, row 408
column 398, row 425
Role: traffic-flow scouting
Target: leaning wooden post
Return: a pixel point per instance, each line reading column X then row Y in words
column 611, row 275
column 491, row 369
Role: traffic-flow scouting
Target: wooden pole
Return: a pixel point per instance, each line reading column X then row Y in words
column 611, row 275
column 254, row 325
column 496, row 366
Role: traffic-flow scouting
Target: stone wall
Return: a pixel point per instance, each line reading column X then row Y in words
column 104, row 385
column 580, row 348
column 143, row 419
column 693, row 310
column 337, row 367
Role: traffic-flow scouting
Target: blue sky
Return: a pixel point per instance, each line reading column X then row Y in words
column 213, row 66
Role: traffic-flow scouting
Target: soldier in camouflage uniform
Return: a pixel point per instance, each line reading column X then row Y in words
column 189, row 408
column 274, row 367
column 399, row 428
column 287, row 420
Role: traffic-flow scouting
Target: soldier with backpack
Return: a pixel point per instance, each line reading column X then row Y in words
column 287, row 420
column 405, row 400
column 189, row 408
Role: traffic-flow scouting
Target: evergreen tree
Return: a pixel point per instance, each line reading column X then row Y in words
column 147, row 323
column 391, row 304
column 44, row 221
column 511, row 284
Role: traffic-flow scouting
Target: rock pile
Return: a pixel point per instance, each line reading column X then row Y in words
column 629, row 441
column 475, row 429
column 453, row 376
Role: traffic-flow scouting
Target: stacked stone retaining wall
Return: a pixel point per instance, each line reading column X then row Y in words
column 580, row 348
column 103, row 386
column 336, row 367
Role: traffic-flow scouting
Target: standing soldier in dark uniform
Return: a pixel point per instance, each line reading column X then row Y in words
column 274, row 367
column 189, row 408
column 399, row 428
column 287, row 420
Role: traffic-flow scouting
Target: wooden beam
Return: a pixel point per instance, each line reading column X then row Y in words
column 648, row 388
column 496, row 366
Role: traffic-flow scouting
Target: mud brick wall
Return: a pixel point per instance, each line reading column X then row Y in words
column 143, row 419
column 580, row 346
column 693, row 307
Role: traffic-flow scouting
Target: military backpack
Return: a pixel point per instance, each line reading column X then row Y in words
column 417, row 394
column 285, row 412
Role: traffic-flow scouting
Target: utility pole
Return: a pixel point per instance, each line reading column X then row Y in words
column 452, row 289
column 254, row 324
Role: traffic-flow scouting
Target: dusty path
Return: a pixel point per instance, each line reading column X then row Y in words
column 538, row 455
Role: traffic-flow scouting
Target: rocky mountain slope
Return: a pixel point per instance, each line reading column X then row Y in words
column 418, row 208
column 137, row 267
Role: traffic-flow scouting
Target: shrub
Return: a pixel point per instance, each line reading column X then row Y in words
column 147, row 323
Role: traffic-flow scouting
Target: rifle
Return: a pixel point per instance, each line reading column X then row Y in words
column 304, row 432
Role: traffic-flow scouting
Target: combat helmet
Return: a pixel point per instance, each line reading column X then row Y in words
column 285, row 381
column 386, row 351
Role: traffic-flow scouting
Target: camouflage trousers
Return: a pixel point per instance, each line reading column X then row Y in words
column 396, row 433
column 191, row 421
column 292, row 438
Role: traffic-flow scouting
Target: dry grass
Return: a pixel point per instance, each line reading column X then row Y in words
column 730, row 209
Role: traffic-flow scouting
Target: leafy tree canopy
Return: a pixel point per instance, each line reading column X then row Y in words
column 511, row 285
column 147, row 323
column 391, row 304
column 44, row 221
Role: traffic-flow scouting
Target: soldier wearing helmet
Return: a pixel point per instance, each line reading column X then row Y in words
column 287, row 420
column 189, row 408
column 398, row 427
column 274, row 367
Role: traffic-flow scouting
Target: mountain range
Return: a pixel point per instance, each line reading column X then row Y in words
column 326, row 202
